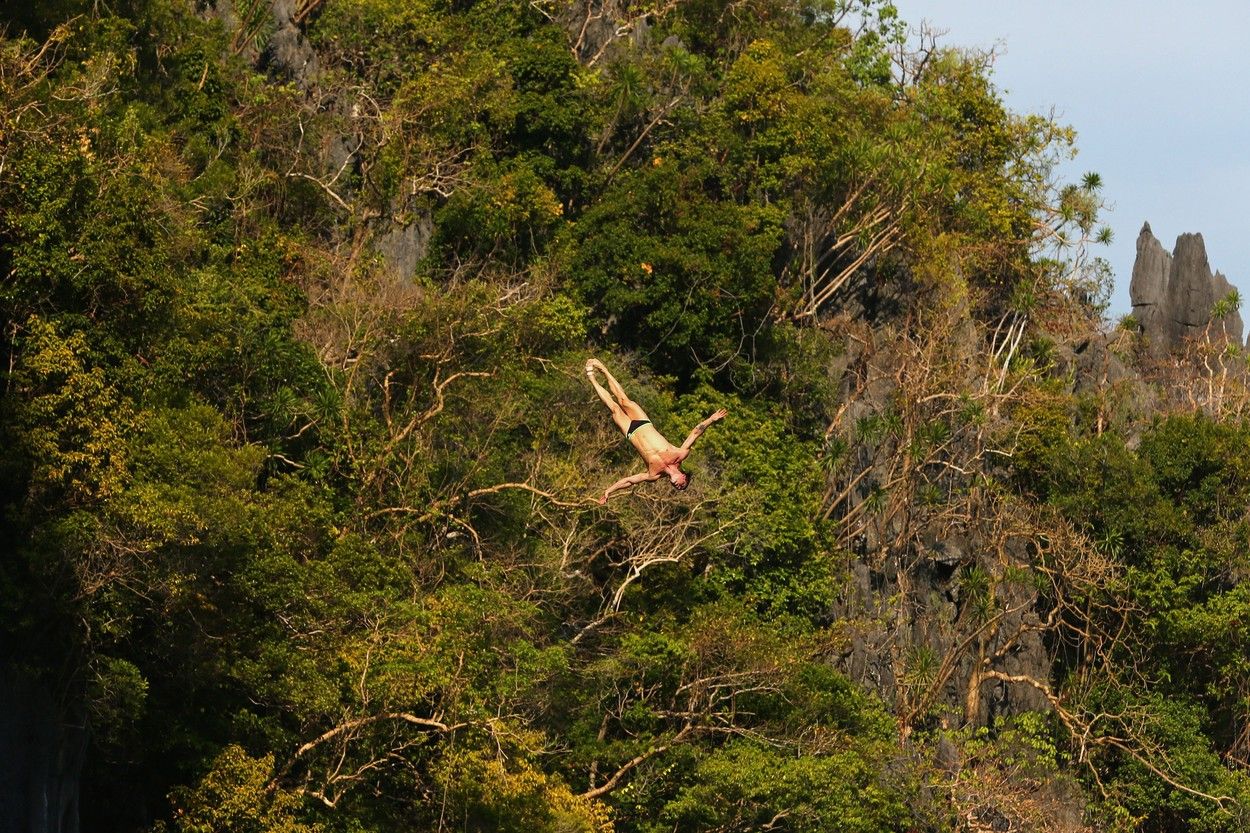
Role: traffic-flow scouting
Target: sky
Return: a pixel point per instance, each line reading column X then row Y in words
column 1159, row 93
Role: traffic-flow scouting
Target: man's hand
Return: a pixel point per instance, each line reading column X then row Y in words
column 626, row 482
column 698, row 430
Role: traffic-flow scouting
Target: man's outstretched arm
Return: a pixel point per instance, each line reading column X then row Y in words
column 698, row 430
column 626, row 482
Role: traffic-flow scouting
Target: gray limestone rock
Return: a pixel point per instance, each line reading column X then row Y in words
column 1193, row 290
column 288, row 53
column 1149, row 286
column 402, row 244
column 1173, row 295
column 278, row 46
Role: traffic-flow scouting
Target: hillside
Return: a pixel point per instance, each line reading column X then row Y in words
column 299, row 495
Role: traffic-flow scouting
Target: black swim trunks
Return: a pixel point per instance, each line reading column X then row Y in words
column 634, row 425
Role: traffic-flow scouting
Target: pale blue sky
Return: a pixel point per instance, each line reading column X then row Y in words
column 1157, row 92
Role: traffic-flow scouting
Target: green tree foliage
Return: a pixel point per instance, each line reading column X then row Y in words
column 234, row 796
column 675, row 269
column 1171, row 514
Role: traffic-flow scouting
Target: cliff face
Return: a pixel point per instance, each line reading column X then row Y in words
column 41, row 757
column 1173, row 294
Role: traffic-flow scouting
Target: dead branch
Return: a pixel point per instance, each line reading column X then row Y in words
column 350, row 725
column 615, row 780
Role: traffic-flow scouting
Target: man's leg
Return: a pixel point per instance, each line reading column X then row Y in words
column 632, row 409
column 619, row 416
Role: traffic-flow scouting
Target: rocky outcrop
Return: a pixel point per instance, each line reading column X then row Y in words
column 915, row 576
column 402, row 241
column 270, row 37
column 1174, row 295
column 288, row 53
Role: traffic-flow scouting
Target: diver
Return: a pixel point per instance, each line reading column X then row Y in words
column 661, row 456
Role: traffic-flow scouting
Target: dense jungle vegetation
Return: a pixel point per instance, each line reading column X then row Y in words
column 300, row 464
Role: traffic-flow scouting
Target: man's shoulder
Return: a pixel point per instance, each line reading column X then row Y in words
column 673, row 454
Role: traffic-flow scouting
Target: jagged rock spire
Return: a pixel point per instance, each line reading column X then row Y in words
column 1173, row 294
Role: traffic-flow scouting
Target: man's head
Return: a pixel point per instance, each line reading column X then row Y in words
column 678, row 478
